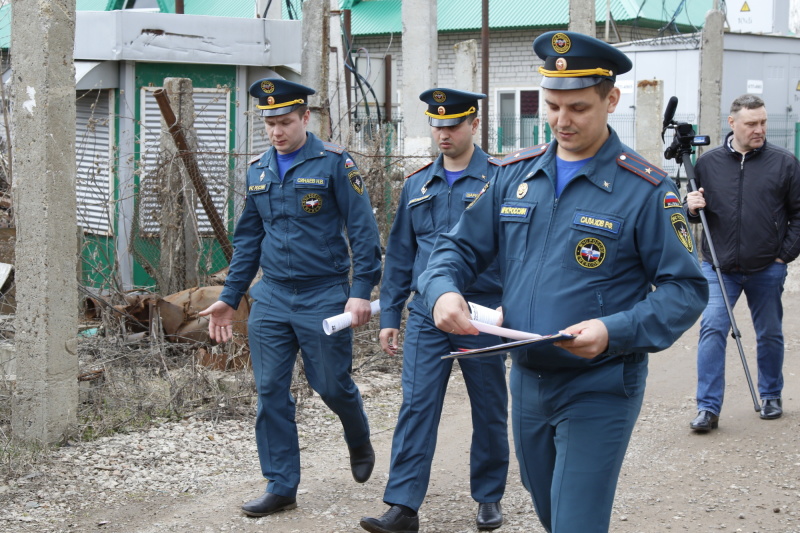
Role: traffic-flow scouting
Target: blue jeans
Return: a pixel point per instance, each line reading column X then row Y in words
column 763, row 290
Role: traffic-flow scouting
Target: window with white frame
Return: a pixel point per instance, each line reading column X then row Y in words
column 518, row 122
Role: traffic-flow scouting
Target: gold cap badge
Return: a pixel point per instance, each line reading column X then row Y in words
column 561, row 43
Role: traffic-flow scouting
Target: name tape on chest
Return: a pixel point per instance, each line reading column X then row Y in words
column 597, row 222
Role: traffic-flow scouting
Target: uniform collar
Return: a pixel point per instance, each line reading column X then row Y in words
column 311, row 149
column 478, row 167
column 605, row 158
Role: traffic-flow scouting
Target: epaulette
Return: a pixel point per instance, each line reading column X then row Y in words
column 335, row 148
column 256, row 159
column 641, row 168
column 525, row 153
column 496, row 161
column 420, row 169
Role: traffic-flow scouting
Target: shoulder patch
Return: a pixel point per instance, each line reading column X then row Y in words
column 257, row 158
column 641, row 168
column 420, row 169
column 335, row 148
column 526, row 153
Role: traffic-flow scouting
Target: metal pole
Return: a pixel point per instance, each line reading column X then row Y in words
column 194, row 173
column 485, row 74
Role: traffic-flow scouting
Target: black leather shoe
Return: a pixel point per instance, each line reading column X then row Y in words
column 771, row 409
column 392, row 521
column 267, row 504
column 490, row 516
column 362, row 461
column 705, row 421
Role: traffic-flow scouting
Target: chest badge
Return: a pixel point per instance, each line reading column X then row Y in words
column 261, row 177
column 311, row 203
column 590, row 252
column 522, row 190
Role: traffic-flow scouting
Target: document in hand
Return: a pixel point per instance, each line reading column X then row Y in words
column 525, row 340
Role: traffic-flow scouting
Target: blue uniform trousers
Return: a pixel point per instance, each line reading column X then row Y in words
column 425, row 378
column 282, row 320
column 571, row 428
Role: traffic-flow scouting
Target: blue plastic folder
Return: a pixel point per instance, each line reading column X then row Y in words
column 499, row 349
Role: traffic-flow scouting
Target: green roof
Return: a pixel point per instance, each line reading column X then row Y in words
column 5, row 26
column 376, row 17
column 213, row 8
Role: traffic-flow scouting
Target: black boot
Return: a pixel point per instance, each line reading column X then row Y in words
column 490, row 516
column 771, row 409
column 267, row 504
column 362, row 461
column 704, row 422
column 392, row 521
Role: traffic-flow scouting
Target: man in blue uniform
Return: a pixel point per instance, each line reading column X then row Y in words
column 301, row 195
column 592, row 241
column 431, row 203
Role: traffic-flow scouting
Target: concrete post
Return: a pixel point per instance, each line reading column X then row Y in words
column 315, row 63
column 126, row 172
column 178, row 236
column 337, row 87
column 45, row 400
column 711, row 50
column 582, row 17
column 420, row 64
column 466, row 72
column 648, row 117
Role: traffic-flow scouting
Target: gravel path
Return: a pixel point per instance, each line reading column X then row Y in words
column 192, row 475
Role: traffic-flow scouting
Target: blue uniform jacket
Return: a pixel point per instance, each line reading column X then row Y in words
column 427, row 208
column 294, row 230
column 614, row 246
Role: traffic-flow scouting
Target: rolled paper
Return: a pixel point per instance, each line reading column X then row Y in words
column 343, row 321
column 484, row 314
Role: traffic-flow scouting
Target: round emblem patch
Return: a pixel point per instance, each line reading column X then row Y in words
column 441, row 110
column 271, row 100
column 522, row 190
column 267, row 86
column 439, row 96
column 561, row 64
column 590, row 252
column 311, row 203
column 561, row 43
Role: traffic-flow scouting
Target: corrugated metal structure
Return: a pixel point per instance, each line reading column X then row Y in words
column 378, row 17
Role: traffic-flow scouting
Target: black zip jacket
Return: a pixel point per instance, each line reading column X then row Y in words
column 752, row 206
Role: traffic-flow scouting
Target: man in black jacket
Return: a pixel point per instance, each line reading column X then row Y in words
column 750, row 191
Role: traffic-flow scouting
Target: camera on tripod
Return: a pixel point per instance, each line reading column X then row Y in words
column 685, row 139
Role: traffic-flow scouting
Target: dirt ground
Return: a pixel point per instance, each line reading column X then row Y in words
column 744, row 477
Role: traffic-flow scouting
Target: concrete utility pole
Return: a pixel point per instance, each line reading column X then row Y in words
column 316, row 63
column 337, row 87
column 582, row 17
column 420, row 64
column 648, row 119
column 45, row 399
column 466, row 72
column 710, row 97
column 179, row 240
